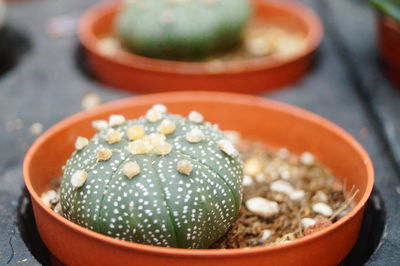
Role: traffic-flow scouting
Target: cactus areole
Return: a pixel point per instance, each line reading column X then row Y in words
column 147, row 181
column 182, row 29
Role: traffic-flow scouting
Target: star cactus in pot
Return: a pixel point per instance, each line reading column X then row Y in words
column 182, row 29
column 162, row 180
column 388, row 25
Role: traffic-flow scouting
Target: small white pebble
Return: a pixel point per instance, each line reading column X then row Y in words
column 135, row 132
column 184, row 167
column 322, row 208
column 90, row 101
column 153, row 116
column 196, row 117
column 307, row 158
column 261, row 178
column 58, row 208
column 116, row 120
column 263, row 207
column 104, row 154
column 227, row 147
column 162, row 148
column 282, row 187
column 306, row 222
column 195, row 135
column 131, row 169
column 112, row 136
column 297, row 195
column 81, row 143
column 167, row 127
column 140, row 146
column 160, row 108
column 265, row 235
column 49, row 198
column 253, row 166
column 100, row 124
column 320, row 196
column 78, row 178
column 247, row 181
column 285, row 175
column 36, row 129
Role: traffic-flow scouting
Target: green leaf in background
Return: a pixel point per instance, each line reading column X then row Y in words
column 390, row 8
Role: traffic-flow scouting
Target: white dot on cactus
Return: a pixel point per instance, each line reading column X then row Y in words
column 227, row 147
column 112, row 136
column 195, row 135
column 262, row 207
column 167, row 127
column 116, row 120
column 322, row 208
column 160, row 108
column 131, row 169
column 81, row 143
column 78, row 178
column 195, row 117
column 153, row 116
column 184, row 167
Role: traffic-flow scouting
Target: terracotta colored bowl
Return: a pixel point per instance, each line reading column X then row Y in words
column 274, row 123
column 142, row 74
column 389, row 46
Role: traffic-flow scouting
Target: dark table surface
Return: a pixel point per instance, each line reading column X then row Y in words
column 45, row 82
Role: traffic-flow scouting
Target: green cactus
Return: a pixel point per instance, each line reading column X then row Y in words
column 161, row 180
column 182, row 29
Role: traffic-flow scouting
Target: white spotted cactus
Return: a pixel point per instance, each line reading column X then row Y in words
column 161, row 180
column 182, row 29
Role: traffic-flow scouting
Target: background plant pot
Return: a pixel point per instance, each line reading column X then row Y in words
column 141, row 74
column 274, row 123
column 389, row 46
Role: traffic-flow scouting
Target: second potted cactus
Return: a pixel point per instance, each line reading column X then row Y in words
column 241, row 45
column 388, row 31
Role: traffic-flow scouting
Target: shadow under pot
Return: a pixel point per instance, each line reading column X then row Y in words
column 296, row 129
column 275, row 49
column 389, row 46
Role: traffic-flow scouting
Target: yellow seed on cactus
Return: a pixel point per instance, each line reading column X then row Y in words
column 195, row 135
column 79, row 178
column 167, row 127
column 196, row 117
column 184, row 167
column 153, row 115
column 112, row 136
column 81, row 143
column 131, row 169
column 163, row 148
column 116, row 120
column 104, row 154
column 156, row 138
column 140, row 146
column 135, row 132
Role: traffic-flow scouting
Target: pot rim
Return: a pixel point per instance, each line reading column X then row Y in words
column 202, row 96
column 130, row 60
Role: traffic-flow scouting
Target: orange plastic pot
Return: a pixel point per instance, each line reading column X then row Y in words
column 272, row 122
column 389, row 46
column 142, row 74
